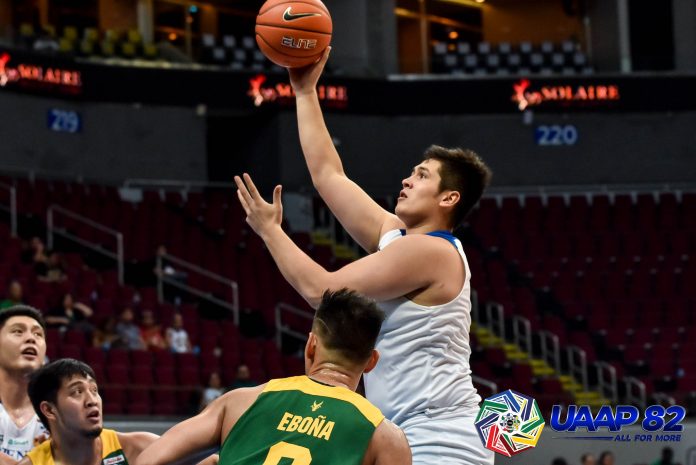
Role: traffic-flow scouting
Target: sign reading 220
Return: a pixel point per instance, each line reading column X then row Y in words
column 556, row 135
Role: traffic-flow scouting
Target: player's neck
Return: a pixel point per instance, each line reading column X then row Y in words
column 13, row 390
column 334, row 375
column 425, row 228
column 75, row 449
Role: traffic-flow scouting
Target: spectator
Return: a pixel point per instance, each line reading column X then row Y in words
column 213, row 391
column 243, row 378
column 34, row 252
column 14, row 295
column 106, row 337
column 177, row 337
column 587, row 459
column 667, row 457
column 152, row 332
column 128, row 332
column 70, row 314
column 606, row 458
column 51, row 271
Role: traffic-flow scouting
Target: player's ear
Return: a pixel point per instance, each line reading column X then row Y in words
column 48, row 410
column 372, row 361
column 450, row 198
column 311, row 346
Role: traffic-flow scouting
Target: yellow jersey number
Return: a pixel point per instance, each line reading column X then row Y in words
column 299, row 455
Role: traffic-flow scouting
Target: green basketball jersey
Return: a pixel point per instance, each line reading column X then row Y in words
column 298, row 421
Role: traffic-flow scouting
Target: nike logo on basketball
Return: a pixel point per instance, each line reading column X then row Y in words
column 289, row 16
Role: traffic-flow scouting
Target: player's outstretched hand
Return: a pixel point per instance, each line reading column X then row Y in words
column 304, row 80
column 261, row 215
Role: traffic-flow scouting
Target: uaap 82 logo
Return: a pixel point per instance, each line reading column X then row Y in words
column 661, row 424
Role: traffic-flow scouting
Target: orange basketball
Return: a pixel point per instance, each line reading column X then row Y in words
column 293, row 33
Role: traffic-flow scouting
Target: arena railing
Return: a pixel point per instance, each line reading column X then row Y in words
column 495, row 319
column 169, row 184
column 635, row 391
column 492, row 386
column 607, row 382
column 550, row 349
column 56, row 211
column 577, row 364
column 282, row 328
column 522, row 333
column 174, row 278
column 11, row 207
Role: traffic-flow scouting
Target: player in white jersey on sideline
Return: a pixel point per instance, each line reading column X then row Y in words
column 417, row 271
column 22, row 352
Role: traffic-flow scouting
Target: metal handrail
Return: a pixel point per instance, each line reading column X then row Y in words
column 553, row 352
column 475, row 315
column 522, row 333
column 12, row 207
column 163, row 278
column 485, row 382
column 175, row 184
column 577, row 364
column 52, row 231
column 607, row 383
column 283, row 329
column 664, row 398
column 494, row 309
column 632, row 398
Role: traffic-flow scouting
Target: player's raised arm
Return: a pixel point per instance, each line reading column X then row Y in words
column 362, row 217
column 384, row 275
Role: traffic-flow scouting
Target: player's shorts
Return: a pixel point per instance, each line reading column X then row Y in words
column 446, row 437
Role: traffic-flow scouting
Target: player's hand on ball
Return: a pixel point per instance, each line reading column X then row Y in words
column 261, row 215
column 304, row 80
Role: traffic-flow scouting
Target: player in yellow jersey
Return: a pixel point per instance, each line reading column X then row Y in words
column 315, row 419
column 66, row 398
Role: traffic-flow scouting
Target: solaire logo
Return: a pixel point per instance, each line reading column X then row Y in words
column 509, row 423
column 38, row 75
column 664, row 422
column 525, row 96
column 334, row 96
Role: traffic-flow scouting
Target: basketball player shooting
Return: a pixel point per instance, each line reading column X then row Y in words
column 416, row 271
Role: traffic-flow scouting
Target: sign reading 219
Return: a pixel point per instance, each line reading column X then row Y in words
column 659, row 423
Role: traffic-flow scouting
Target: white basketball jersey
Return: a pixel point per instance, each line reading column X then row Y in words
column 16, row 442
column 424, row 354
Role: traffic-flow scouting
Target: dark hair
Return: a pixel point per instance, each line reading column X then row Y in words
column 348, row 323
column 463, row 171
column 559, row 461
column 21, row 310
column 604, row 455
column 46, row 381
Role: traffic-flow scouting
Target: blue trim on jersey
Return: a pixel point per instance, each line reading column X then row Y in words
column 443, row 233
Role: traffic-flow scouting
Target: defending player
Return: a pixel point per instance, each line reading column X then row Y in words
column 66, row 398
column 315, row 419
column 417, row 272
column 22, row 351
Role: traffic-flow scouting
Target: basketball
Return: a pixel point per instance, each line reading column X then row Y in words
column 293, row 34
